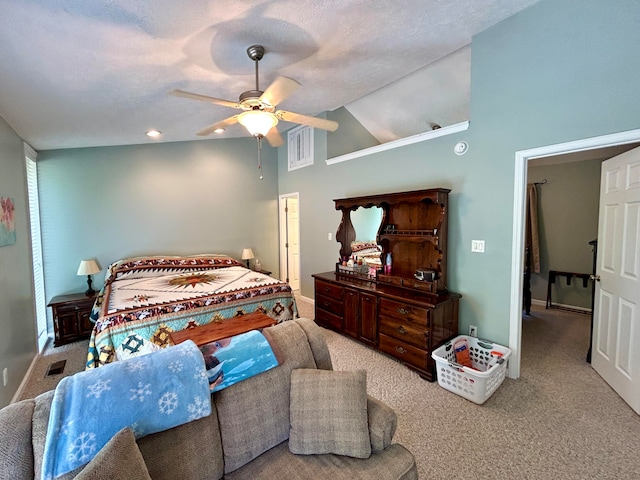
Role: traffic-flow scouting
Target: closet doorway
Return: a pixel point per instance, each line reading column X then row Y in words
column 289, row 215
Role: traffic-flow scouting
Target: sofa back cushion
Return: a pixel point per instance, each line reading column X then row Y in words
column 317, row 343
column 254, row 414
column 189, row 451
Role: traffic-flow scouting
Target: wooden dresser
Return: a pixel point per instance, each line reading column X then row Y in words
column 395, row 312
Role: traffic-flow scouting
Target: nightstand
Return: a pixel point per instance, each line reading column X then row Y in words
column 265, row 272
column 71, row 317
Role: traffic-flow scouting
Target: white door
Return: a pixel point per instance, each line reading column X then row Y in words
column 294, row 243
column 616, row 330
column 290, row 240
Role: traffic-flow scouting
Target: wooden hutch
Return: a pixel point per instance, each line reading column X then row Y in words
column 395, row 312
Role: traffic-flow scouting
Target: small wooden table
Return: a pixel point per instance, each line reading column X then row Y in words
column 227, row 328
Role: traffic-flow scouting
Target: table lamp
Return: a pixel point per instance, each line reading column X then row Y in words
column 247, row 254
column 88, row 268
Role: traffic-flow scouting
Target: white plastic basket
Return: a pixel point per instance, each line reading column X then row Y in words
column 475, row 385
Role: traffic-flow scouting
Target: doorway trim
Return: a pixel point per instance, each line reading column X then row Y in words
column 522, row 158
column 283, row 232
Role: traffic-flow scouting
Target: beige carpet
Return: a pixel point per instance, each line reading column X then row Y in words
column 39, row 382
column 559, row 420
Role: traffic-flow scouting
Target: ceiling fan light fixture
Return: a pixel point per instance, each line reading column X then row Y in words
column 258, row 122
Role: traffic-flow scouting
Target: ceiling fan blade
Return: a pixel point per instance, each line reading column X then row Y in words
column 221, row 124
column 307, row 120
column 204, row 98
column 274, row 138
column 280, row 89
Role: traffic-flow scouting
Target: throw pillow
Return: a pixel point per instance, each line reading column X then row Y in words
column 119, row 458
column 328, row 413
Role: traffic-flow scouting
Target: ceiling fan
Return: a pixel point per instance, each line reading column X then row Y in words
column 260, row 116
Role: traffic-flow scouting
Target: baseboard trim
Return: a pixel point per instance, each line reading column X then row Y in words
column 560, row 305
column 26, row 377
column 307, row 299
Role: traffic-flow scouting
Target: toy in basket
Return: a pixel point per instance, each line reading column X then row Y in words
column 478, row 382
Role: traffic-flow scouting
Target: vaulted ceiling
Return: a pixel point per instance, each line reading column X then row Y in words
column 78, row 73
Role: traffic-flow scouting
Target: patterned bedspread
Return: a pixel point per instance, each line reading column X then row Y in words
column 146, row 298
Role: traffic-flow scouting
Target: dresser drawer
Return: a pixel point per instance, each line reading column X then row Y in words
column 329, row 304
column 405, row 331
column 402, row 311
column 329, row 290
column 407, row 353
column 80, row 306
column 417, row 284
column 328, row 319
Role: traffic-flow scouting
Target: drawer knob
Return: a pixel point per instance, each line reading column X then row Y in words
column 400, row 350
column 403, row 311
column 327, row 304
column 401, row 330
column 326, row 289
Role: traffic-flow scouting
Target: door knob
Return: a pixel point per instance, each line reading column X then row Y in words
column 595, row 278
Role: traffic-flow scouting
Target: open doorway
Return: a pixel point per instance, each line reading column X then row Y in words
column 289, row 218
column 627, row 139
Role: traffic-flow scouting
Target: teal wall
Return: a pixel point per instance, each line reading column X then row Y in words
column 556, row 72
column 351, row 136
column 568, row 221
column 173, row 199
column 18, row 337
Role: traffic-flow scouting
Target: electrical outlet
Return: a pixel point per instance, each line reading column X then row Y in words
column 329, row 236
column 473, row 331
column 5, row 376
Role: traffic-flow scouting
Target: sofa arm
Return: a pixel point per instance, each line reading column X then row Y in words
column 382, row 424
column 16, row 451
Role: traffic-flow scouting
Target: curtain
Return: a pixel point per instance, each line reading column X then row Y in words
column 531, row 235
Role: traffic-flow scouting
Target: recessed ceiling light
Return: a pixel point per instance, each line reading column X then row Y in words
column 218, row 130
column 153, row 133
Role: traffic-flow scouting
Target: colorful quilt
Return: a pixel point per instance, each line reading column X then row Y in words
column 144, row 299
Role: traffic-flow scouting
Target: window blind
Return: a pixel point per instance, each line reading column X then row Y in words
column 36, row 246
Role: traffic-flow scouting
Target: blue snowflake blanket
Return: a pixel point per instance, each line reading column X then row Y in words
column 150, row 393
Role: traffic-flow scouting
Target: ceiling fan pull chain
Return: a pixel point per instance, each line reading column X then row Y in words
column 259, row 156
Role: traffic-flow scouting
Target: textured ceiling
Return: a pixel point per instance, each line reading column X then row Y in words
column 77, row 73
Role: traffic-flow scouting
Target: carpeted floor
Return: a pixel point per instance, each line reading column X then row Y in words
column 559, row 420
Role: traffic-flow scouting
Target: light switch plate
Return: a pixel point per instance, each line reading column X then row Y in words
column 477, row 246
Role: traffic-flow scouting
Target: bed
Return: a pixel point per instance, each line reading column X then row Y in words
column 144, row 299
column 369, row 252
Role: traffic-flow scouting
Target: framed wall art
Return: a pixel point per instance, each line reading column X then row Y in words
column 7, row 221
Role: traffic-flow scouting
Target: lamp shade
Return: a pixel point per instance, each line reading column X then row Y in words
column 258, row 122
column 88, row 267
column 247, row 254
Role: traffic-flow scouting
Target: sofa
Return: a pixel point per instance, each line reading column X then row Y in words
column 252, row 433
